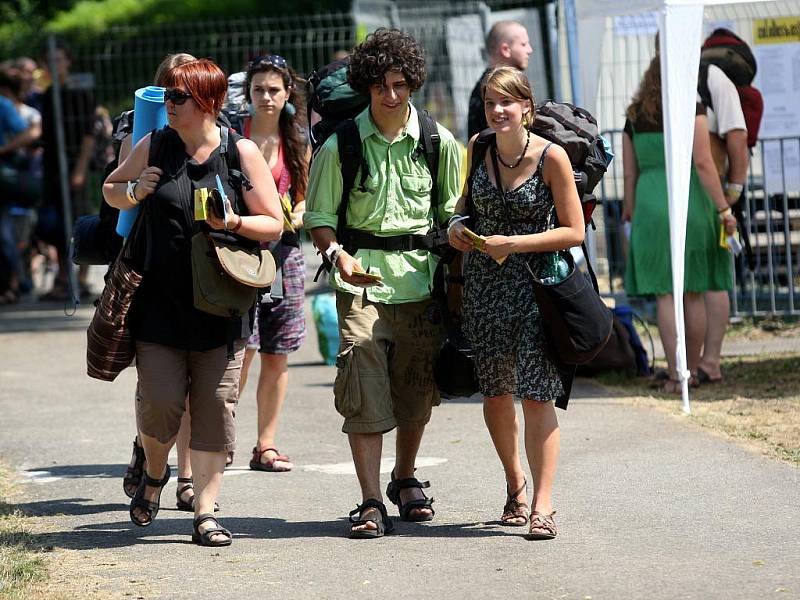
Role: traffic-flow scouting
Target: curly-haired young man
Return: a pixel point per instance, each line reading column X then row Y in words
column 390, row 331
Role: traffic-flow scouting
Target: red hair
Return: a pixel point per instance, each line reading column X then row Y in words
column 204, row 80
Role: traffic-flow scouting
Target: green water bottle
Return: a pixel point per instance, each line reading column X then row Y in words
column 555, row 270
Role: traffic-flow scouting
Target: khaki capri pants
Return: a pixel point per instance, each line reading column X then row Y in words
column 167, row 374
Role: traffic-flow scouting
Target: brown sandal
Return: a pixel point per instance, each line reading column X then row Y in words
column 543, row 527
column 514, row 509
column 257, row 465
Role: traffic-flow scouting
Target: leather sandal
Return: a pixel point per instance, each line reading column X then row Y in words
column 133, row 474
column 514, row 509
column 214, row 536
column 542, row 527
column 383, row 523
column 269, row 466
column 150, row 507
column 181, row 504
column 393, row 493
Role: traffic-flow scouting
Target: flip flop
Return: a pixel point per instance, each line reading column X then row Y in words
column 705, row 378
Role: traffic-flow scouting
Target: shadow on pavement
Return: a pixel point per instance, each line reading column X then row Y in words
column 66, row 506
column 44, row 316
column 79, row 471
column 120, row 534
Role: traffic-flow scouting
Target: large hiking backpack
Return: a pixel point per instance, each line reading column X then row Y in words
column 331, row 97
column 733, row 56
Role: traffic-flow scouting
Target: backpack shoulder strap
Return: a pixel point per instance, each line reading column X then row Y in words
column 230, row 154
column 351, row 157
column 479, row 148
column 702, row 85
column 430, row 144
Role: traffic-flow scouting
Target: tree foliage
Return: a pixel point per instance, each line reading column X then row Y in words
column 25, row 22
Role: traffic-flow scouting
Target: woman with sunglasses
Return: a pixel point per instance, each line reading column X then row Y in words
column 276, row 125
column 133, row 475
column 180, row 349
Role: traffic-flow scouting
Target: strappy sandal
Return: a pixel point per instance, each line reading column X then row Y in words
column 133, row 474
column 384, row 525
column 269, row 466
column 514, row 509
column 211, row 535
column 393, row 493
column 181, row 490
column 149, row 506
column 229, row 459
column 543, row 527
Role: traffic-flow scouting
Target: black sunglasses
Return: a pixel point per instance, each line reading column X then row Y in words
column 177, row 97
column 276, row 60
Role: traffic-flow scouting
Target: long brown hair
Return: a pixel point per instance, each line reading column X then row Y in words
column 292, row 126
column 645, row 107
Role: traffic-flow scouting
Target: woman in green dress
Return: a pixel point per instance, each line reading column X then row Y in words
column 648, row 272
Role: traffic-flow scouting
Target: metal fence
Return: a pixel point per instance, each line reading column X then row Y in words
column 452, row 33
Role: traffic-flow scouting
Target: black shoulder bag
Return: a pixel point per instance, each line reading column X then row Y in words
column 576, row 321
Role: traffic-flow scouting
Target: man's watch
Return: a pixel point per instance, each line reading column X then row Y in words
column 130, row 192
column 332, row 253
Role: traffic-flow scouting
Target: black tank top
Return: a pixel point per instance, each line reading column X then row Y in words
column 163, row 309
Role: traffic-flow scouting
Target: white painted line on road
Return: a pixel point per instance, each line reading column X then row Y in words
column 387, row 464
column 40, row 476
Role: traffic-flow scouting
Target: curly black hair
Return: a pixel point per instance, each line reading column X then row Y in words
column 386, row 50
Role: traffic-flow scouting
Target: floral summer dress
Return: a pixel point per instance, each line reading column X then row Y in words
column 501, row 317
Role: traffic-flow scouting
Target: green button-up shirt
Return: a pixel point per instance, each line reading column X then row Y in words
column 396, row 202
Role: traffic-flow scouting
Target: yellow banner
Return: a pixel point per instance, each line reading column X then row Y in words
column 782, row 30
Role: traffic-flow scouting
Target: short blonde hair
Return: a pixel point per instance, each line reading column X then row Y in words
column 513, row 83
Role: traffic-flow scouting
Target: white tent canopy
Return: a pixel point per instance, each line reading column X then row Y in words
column 680, row 24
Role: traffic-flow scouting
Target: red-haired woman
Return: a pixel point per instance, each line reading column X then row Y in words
column 277, row 107
column 180, row 349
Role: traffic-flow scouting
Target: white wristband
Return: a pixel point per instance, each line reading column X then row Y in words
column 332, row 253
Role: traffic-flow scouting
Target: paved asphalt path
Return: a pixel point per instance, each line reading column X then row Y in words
column 649, row 506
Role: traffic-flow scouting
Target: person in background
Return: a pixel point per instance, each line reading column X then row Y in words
column 506, row 44
column 648, row 270
column 277, row 126
column 179, row 348
column 522, row 179
column 728, row 130
column 78, row 113
column 17, row 133
column 389, row 333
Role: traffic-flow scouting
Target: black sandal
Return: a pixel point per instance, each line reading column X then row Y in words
column 393, row 493
column 133, row 474
column 181, row 490
column 384, row 525
column 150, row 507
column 206, row 538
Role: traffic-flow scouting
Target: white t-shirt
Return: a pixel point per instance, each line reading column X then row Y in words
column 726, row 114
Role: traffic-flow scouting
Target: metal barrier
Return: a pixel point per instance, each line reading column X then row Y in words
column 772, row 220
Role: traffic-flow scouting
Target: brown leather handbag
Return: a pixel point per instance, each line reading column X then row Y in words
column 110, row 349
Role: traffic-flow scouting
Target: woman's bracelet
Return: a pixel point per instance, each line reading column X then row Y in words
column 455, row 219
column 238, row 225
column 724, row 212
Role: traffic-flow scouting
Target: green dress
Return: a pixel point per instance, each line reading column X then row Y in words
column 648, row 270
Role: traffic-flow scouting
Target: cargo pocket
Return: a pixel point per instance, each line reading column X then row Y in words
column 346, row 386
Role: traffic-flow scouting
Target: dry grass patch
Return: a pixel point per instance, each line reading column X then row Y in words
column 25, row 565
column 758, row 403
